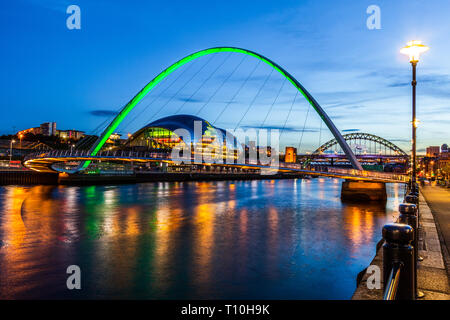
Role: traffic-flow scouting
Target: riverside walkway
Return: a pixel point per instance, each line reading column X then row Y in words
column 438, row 199
column 433, row 272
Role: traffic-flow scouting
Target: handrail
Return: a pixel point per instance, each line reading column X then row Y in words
column 294, row 166
column 393, row 282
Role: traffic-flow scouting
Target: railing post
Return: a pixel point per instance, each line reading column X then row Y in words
column 413, row 198
column 408, row 215
column 397, row 249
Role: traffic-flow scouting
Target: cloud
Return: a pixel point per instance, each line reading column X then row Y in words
column 430, row 79
column 399, row 140
column 190, row 100
column 287, row 128
column 399, row 84
column 351, row 130
column 102, row 113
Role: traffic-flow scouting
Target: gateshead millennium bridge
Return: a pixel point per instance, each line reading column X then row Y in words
column 153, row 143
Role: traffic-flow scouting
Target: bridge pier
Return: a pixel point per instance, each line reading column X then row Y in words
column 363, row 191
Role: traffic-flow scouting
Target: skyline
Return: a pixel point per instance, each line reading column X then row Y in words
column 356, row 74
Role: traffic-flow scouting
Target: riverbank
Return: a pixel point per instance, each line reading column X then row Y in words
column 22, row 177
column 27, row 177
column 169, row 177
column 432, row 277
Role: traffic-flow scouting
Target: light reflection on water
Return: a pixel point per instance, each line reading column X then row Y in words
column 269, row 239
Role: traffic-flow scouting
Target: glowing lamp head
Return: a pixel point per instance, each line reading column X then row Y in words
column 414, row 49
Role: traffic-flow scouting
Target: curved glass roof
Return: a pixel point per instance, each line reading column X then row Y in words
column 189, row 123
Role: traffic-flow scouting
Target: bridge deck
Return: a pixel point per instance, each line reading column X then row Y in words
column 44, row 162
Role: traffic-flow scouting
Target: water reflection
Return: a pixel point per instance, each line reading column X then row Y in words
column 274, row 239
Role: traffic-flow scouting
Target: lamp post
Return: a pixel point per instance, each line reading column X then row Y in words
column 10, row 151
column 413, row 49
column 20, row 138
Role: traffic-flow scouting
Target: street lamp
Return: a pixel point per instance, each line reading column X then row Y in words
column 20, row 137
column 10, row 151
column 413, row 49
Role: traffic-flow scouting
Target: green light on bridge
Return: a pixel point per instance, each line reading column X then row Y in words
column 133, row 102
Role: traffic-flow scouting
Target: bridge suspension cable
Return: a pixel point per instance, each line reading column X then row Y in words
column 221, row 85
column 320, row 133
column 275, row 100
column 204, row 82
column 254, row 99
column 303, row 130
column 289, row 113
column 182, row 87
column 237, row 92
column 141, row 94
column 138, row 115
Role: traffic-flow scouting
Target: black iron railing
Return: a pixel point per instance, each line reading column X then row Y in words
column 400, row 250
column 393, row 282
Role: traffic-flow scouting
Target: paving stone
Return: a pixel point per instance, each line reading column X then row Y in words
column 431, row 259
column 432, row 279
column 432, row 295
column 429, row 224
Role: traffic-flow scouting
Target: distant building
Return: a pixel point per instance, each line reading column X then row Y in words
column 290, row 155
column 436, row 164
column 115, row 136
column 114, row 140
column 48, row 128
column 433, row 151
column 70, row 134
column 35, row 130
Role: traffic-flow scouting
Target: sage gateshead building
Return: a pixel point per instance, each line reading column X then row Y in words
column 186, row 132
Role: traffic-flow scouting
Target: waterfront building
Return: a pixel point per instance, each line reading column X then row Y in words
column 433, row 151
column 34, row 130
column 436, row 163
column 48, row 128
column 290, row 155
column 200, row 136
column 70, row 134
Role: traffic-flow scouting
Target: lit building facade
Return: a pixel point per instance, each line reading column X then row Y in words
column 433, row 151
column 290, row 155
column 199, row 136
column 48, row 128
column 436, row 163
column 35, row 131
column 70, row 134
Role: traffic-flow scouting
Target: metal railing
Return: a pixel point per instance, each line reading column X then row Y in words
column 369, row 174
column 400, row 252
column 167, row 156
column 393, row 281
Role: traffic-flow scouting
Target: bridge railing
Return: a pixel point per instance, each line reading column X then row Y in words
column 167, row 156
column 85, row 153
column 369, row 174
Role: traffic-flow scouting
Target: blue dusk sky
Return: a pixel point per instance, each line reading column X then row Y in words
column 79, row 78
